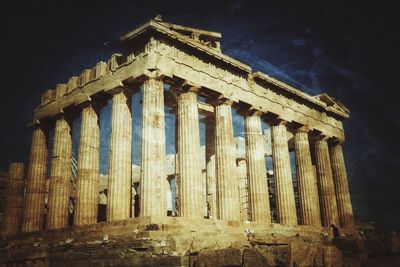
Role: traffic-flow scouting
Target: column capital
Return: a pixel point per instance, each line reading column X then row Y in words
column 336, row 141
column 296, row 127
column 96, row 105
column 278, row 121
column 249, row 111
column 154, row 74
column 116, row 90
column 181, row 86
column 221, row 99
column 316, row 135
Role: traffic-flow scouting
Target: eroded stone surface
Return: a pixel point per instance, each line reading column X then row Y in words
column 198, row 79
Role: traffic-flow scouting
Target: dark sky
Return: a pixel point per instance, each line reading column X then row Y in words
column 349, row 49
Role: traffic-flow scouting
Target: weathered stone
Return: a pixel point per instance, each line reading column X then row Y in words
column 227, row 185
column 60, row 176
column 219, row 258
column 308, row 188
column 210, row 167
column 285, row 204
column 174, row 55
column 88, row 168
column 152, row 153
column 345, row 209
column 33, row 210
column 11, row 223
column 190, row 180
column 253, row 257
column 257, row 178
column 329, row 213
column 120, row 167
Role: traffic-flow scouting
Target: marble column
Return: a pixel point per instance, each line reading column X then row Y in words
column 256, row 170
column 308, row 188
column 33, row 210
column 285, row 204
column 14, row 200
column 329, row 212
column 60, row 176
column 225, row 156
column 87, row 187
column 152, row 154
column 210, row 167
column 190, row 177
column 120, row 167
column 345, row 209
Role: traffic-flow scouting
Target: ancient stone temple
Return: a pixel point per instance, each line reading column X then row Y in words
column 184, row 69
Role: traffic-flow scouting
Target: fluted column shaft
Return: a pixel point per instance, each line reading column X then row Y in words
column 210, row 167
column 60, row 176
column 120, row 167
column 190, row 178
column 88, row 168
column 227, row 184
column 256, row 170
column 14, row 199
column 329, row 212
column 308, row 188
column 286, row 207
column 33, row 209
column 152, row 154
column 345, row 208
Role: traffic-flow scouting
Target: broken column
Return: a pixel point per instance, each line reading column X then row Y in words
column 152, row 152
column 120, row 166
column 14, row 199
column 345, row 209
column 60, row 175
column 285, row 204
column 190, row 177
column 308, row 188
column 33, row 210
column 225, row 155
column 256, row 170
column 88, row 168
column 329, row 213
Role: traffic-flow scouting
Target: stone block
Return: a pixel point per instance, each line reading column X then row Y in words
column 218, row 258
column 48, row 96
column 253, row 257
column 72, row 84
column 61, row 89
column 101, row 69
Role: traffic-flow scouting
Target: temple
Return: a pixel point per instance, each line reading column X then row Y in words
column 223, row 200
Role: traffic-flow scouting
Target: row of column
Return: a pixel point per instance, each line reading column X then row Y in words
column 221, row 167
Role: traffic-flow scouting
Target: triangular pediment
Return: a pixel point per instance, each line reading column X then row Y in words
column 332, row 102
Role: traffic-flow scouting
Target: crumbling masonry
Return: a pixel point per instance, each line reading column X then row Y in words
column 201, row 80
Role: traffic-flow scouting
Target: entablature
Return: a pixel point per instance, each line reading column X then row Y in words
column 210, row 72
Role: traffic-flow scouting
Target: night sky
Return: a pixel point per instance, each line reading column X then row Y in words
column 348, row 49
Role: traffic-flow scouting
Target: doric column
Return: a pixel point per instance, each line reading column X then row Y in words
column 256, row 170
column 285, row 203
column 210, row 167
column 329, row 213
column 308, row 188
column 60, row 176
column 341, row 186
column 120, row 167
column 33, row 210
column 88, row 168
column 227, row 185
column 190, row 178
column 152, row 153
column 14, row 199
